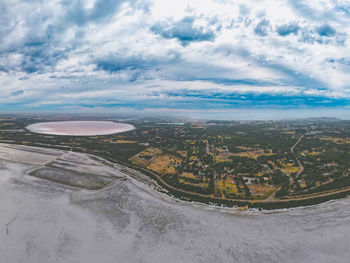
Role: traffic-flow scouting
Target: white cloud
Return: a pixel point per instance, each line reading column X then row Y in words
column 69, row 52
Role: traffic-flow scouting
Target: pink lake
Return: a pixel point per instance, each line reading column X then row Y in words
column 80, row 128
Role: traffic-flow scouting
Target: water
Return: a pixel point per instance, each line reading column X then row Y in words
column 43, row 222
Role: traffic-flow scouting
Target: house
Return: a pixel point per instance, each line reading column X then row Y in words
column 248, row 180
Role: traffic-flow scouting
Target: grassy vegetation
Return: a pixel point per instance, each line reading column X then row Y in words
column 223, row 160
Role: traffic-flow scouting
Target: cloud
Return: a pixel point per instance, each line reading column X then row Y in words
column 101, row 10
column 184, row 54
column 119, row 62
column 262, row 28
column 287, row 29
column 326, row 30
column 324, row 35
column 184, row 31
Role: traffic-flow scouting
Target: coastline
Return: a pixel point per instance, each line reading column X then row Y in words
column 296, row 201
column 150, row 178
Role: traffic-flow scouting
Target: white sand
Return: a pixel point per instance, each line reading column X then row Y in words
column 29, row 155
column 80, row 128
column 44, row 222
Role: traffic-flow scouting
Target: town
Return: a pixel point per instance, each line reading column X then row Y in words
column 229, row 160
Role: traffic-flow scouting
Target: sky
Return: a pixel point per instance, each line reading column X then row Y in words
column 220, row 57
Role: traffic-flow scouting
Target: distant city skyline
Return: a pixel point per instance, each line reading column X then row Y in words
column 226, row 59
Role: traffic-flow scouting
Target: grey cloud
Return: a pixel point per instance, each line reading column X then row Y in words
column 287, row 29
column 138, row 67
column 309, row 13
column 184, row 31
column 343, row 62
column 41, row 41
column 36, row 36
column 244, row 10
column 17, row 93
column 102, row 9
column 324, row 36
column 326, row 30
column 262, row 28
column 119, row 62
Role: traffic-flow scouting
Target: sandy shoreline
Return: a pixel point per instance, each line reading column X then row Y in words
column 44, row 222
column 80, row 128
